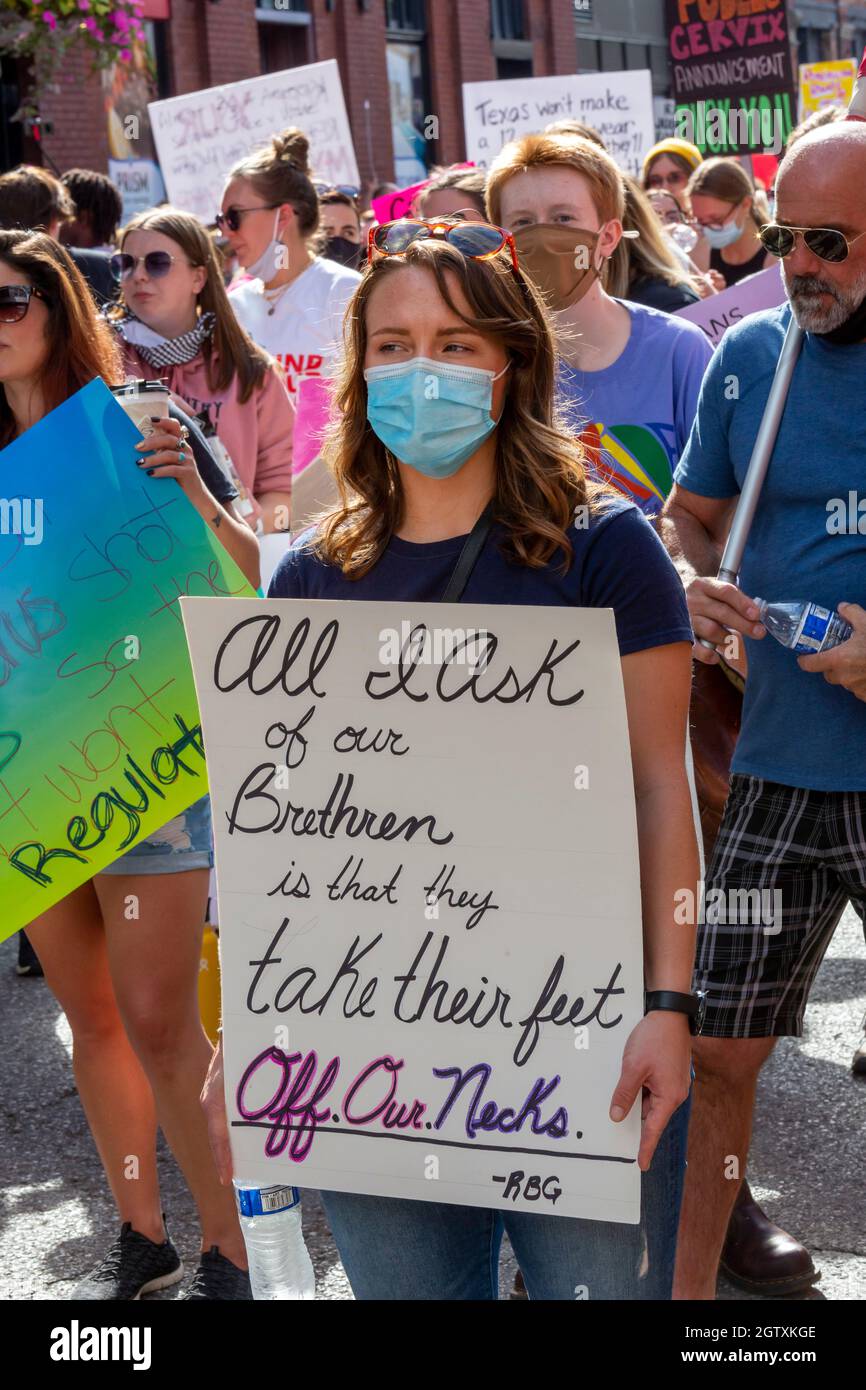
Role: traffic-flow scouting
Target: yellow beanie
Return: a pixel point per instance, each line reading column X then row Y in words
column 690, row 153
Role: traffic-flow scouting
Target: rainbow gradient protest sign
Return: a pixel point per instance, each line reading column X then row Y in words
column 100, row 736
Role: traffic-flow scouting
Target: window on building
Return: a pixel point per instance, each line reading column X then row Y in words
column 408, row 88
column 809, row 45
column 512, row 47
column 508, row 19
column 284, row 34
column 10, row 131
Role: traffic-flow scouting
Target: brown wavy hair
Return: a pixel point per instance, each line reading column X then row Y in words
column 230, row 351
column 540, row 473
column 81, row 346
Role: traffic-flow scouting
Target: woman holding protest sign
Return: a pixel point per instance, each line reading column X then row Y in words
column 178, row 323
column 121, row 952
column 293, row 306
column 483, row 455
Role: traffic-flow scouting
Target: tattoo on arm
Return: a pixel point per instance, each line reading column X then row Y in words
column 216, row 520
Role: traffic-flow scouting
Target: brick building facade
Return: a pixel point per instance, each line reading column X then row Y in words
column 199, row 43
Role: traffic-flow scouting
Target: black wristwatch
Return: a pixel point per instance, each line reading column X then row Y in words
column 695, row 1005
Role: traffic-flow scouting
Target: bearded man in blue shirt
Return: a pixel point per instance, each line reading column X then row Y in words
column 795, row 822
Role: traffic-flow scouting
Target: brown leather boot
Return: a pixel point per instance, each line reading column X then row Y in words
column 762, row 1258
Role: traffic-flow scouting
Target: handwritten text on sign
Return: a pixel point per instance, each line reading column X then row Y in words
column 428, row 895
column 100, row 741
column 200, row 136
column 617, row 104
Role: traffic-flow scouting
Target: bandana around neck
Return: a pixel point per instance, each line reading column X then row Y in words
column 158, row 351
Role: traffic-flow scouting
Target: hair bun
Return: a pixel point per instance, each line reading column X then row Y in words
column 293, row 147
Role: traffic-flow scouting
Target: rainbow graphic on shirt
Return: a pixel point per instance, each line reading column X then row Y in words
column 633, row 458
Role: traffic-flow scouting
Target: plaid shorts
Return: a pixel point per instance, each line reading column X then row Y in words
column 784, row 865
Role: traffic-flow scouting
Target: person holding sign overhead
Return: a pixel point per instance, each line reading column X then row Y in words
column 121, row 952
column 447, row 429
column 293, row 306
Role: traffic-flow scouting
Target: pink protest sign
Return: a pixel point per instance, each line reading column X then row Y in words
column 312, row 413
column 718, row 312
column 392, row 206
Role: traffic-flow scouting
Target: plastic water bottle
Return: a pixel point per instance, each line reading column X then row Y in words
column 271, row 1222
column 803, row 627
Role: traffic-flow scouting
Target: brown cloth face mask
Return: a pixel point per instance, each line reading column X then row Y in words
column 561, row 261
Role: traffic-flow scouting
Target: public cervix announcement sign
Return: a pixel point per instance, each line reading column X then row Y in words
column 429, row 898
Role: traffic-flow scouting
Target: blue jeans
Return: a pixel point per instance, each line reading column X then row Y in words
column 392, row 1248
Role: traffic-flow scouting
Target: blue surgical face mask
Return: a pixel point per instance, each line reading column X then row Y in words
column 719, row 237
column 431, row 415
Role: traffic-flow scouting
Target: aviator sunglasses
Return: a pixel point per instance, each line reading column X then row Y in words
column 478, row 241
column 15, row 301
column 824, row 242
column 156, row 264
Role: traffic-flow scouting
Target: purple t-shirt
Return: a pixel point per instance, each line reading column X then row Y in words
column 635, row 416
column 618, row 562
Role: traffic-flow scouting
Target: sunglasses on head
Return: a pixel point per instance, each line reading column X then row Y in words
column 478, row 241
column 824, row 242
column 156, row 264
column 15, row 301
column 232, row 219
column 348, row 190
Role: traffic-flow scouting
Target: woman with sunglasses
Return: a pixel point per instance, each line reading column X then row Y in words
column 729, row 212
column 178, row 324
column 294, row 304
column 416, row 470
column 129, row 988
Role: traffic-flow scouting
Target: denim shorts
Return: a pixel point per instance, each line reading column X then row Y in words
column 182, row 843
column 394, row 1248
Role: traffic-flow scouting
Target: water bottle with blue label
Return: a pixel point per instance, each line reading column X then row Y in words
column 803, row 627
column 270, row 1219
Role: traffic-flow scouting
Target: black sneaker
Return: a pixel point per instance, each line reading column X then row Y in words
column 133, row 1265
column 217, row 1278
column 28, row 961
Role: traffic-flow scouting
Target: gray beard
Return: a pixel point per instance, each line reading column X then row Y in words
column 811, row 315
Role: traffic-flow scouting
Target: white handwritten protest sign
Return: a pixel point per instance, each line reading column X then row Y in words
column 429, row 898
column 200, row 136
column 718, row 312
column 618, row 104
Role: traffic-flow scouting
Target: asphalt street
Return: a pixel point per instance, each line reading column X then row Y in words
column 56, row 1218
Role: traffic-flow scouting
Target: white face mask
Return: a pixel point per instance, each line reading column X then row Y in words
column 271, row 259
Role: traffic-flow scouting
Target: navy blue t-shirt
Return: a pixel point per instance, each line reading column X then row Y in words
column 619, row 563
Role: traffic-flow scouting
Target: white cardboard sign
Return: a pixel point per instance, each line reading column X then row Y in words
column 200, row 136
column 618, row 104
column 429, row 898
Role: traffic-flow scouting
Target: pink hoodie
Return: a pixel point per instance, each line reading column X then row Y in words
column 258, row 435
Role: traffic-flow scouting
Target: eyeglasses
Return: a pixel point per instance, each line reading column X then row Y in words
column 156, row 264
column 670, row 211
column 476, row 240
column 232, row 218
column 348, row 190
column 824, row 242
column 15, row 301
column 677, row 179
column 714, row 225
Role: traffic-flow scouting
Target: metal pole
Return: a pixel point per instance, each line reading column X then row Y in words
column 760, row 460
column 772, row 417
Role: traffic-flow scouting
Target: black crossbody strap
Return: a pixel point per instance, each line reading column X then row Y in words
column 468, row 556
